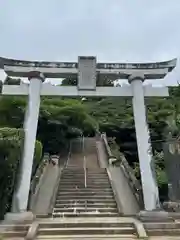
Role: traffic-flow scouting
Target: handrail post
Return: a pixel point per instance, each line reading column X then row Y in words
column 69, row 155
column 85, row 173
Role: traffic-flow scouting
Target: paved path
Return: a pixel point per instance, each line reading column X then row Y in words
column 124, row 192
column 77, row 154
column 47, row 189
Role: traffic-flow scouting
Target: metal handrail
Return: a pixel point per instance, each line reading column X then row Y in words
column 85, row 173
column 69, row 155
column 84, row 163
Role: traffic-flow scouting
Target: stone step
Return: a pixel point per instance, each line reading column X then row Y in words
column 163, row 238
column 87, row 214
column 18, row 227
column 162, row 225
column 59, row 197
column 162, row 228
column 85, row 190
column 90, row 237
column 81, row 174
column 81, row 169
column 85, row 197
column 163, row 232
column 95, row 205
column 12, row 234
column 11, row 231
column 78, row 176
column 82, row 179
column 74, row 180
column 92, row 201
column 12, row 238
column 82, row 185
column 74, row 224
column 79, row 210
column 61, row 187
column 87, row 194
column 90, row 172
column 79, row 230
column 155, row 219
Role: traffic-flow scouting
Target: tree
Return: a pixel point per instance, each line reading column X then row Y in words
column 100, row 81
column 11, row 149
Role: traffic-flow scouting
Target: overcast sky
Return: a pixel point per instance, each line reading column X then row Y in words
column 112, row 30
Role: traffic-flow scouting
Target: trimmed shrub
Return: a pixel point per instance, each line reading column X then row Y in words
column 11, row 149
column 11, row 145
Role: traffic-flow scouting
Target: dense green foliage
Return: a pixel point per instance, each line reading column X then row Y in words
column 11, row 149
column 11, row 141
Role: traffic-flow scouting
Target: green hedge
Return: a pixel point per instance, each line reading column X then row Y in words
column 11, row 149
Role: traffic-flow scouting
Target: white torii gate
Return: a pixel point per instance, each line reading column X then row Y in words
column 86, row 69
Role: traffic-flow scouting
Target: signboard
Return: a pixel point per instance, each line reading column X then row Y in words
column 43, row 64
column 131, row 66
column 75, row 65
column 87, row 73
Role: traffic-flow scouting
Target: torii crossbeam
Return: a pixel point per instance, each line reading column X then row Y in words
column 87, row 70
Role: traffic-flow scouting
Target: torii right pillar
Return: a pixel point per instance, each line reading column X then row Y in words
column 148, row 177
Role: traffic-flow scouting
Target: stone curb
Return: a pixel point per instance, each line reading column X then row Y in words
column 141, row 232
column 117, row 200
column 53, row 197
column 23, row 217
column 158, row 214
column 33, row 197
column 32, row 232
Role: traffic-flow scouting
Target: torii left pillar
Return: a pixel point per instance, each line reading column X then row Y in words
column 30, row 128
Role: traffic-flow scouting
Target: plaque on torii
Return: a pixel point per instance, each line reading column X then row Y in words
column 87, row 70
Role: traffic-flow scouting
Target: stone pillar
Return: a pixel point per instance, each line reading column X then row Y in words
column 148, row 178
column 30, row 128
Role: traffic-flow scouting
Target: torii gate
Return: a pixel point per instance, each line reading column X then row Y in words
column 87, row 69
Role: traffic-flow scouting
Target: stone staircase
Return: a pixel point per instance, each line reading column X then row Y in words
column 86, row 228
column 85, row 206
column 76, row 199
column 161, row 226
column 85, row 212
column 11, row 231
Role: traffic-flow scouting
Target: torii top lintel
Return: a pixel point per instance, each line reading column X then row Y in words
column 21, row 68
